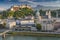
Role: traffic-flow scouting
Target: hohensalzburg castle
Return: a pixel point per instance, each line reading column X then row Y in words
column 17, row 7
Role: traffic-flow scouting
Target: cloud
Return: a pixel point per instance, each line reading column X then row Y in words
column 22, row 0
column 1, row 9
column 33, row 3
column 52, row 3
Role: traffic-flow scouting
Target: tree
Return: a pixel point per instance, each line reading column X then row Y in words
column 4, row 14
column 7, row 14
column 4, row 24
column 10, row 14
column 42, row 13
column 53, row 13
column 26, row 11
column 0, row 16
column 18, row 14
column 38, row 26
column 22, row 12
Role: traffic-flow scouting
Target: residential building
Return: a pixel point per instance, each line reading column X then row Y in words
column 47, row 25
column 25, row 28
column 10, row 24
column 57, row 25
column 29, row 17
column 26, row 21
column 26, row 25
column 22, row 29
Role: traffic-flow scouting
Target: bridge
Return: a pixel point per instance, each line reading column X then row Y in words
column 3, row 33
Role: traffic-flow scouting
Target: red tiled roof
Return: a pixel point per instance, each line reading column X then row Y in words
column 15, row 8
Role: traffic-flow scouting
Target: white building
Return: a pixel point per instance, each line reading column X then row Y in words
column 47, row 25
column 27, row 21
column 26, row 25
column 29, row 17
column 10, row 24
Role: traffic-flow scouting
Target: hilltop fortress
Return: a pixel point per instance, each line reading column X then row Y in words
column 17, row 7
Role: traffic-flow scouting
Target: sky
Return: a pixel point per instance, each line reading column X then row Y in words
column 5, row 4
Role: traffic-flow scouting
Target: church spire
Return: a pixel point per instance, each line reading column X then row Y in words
column 38, row 16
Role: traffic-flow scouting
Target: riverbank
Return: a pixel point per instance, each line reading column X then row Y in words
column 42, row 34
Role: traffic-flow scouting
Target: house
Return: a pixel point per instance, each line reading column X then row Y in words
column 10, row 24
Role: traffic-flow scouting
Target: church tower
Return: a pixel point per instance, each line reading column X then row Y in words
column 48, row 13
column 38, row 17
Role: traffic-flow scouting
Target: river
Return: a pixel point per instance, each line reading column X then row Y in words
column 28, row 38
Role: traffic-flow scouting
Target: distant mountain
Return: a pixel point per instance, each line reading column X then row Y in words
column 43, row 0
column 46, row 7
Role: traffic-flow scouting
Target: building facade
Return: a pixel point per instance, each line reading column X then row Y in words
column 10, row 24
